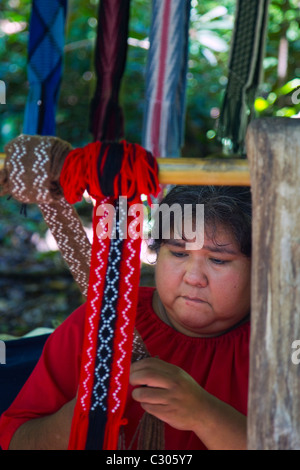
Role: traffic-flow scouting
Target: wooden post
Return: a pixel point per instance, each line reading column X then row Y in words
column 273, row 148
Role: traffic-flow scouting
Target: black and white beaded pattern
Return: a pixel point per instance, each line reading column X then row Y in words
column 108, row 318
column 126, row 320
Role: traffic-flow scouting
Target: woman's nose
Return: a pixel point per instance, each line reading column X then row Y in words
column 195, row 274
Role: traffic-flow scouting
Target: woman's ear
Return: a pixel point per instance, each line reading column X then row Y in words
column 151, row 252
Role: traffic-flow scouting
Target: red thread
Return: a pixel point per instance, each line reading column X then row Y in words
column 138, row 174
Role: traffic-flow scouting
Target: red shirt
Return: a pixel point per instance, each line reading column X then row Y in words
column 219, row 364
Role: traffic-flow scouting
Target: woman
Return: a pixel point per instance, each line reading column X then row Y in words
column 195, row 325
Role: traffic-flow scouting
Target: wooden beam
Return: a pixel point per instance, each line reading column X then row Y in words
column 204, row 171
column 273, row 149
column 214, row 171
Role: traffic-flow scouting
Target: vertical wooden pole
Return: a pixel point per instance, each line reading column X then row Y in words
column 273, row 148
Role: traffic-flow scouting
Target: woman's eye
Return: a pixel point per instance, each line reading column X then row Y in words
column 179, row 254
column 218, row 261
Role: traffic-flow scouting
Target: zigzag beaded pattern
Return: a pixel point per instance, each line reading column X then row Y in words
column 71, row 239
column 60, row 216
column 41, row 152
column 88, row 372
column 17, row 170
column 123, row 350
column 107, row 320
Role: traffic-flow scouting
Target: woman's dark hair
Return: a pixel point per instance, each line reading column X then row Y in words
column 229, row 206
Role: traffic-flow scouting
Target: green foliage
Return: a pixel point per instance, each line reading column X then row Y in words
column 211, row 29
column 206, row 78
column 282, row 62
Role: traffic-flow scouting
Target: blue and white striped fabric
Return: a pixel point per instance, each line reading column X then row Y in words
column 45, row 53
column 164, row 113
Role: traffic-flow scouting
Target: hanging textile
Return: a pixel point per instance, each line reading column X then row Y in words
column 245, row 71
column 31, row 176
column 164, row 113
column 38, row 183
column 106, row 121
column 45, row 53
column 108, row 171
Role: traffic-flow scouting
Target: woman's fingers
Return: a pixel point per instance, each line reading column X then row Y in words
column 151, row 372
column 150, row 395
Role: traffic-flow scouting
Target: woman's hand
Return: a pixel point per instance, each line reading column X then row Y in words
column 167, row 392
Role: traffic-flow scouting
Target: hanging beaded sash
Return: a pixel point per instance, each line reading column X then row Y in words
column 31, row 175
column 108, row 171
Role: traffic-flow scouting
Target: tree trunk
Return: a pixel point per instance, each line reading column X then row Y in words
column 273, row 148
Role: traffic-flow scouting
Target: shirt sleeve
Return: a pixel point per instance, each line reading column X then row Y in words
column 54, row 380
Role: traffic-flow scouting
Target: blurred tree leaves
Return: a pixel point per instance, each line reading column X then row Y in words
column 211, row 29
column 210, row 37
column 282, row 62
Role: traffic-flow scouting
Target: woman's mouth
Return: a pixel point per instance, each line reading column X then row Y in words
column 197, row 300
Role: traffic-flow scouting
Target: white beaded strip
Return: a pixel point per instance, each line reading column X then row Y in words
column 41, row 152
column 106, row 332
column 18, row 169
column 57, row 223
column 108, row 315
column 126, row 320
column 94, row 301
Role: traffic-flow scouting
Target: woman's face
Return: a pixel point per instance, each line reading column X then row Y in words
column 204, row 291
